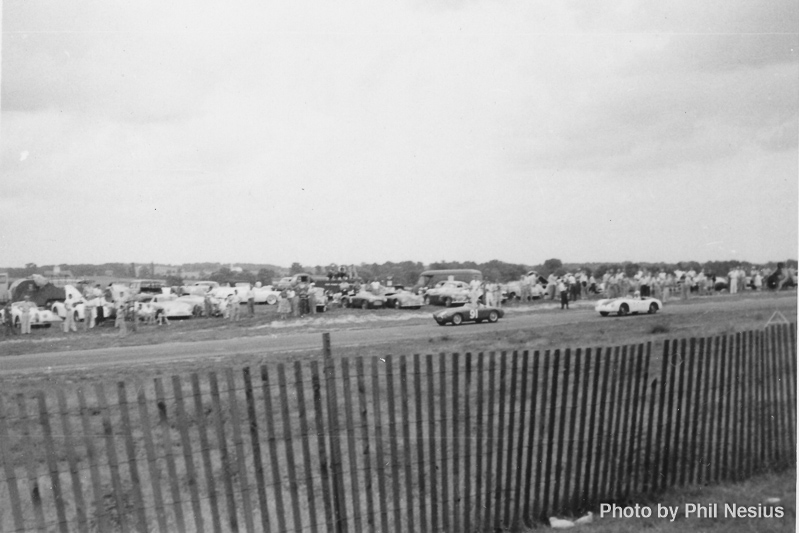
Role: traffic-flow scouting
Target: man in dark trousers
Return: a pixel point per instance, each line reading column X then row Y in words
column 564, row 294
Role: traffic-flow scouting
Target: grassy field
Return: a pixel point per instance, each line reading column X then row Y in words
column 758, row 309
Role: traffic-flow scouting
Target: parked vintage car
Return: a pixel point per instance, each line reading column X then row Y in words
column 468, row 313
column 263, row 295
column 403, row 299
column 40, row 317
column 172, row 305
column 448, row 293
column 513, row 290
column 628, row 305
column 364, row 300
column 199, row 287
column 79, row 305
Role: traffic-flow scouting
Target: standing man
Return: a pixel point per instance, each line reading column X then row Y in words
column 88, row 313
column 25, row 319
column 564, row 294
column 120, row 318
column 251, row 301
column 9, row 321
column 69, row 320
column 732, row 280
column 235, row 309
column 209, row 310
column 312, row 299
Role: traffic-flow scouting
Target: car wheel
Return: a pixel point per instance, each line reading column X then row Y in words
column 365, row 304
column 493, row 316
column 271, row 299
column 447, row 301
column 17, row 323
column 512, row 296
column 457, row 320
column 345, row 303
column 397, row 304
column 653, row 308
column 604, row 313
column 75, row 317
column 624, row 309
column 427, row 302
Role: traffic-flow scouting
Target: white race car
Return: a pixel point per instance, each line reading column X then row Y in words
column 626, row 305
column 40, row 317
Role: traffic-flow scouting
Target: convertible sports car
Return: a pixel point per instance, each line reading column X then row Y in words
column 40, row 317
column 447, row 293
column 468, row 313
column 625, row 306
column 403, row 299
column 364, row 300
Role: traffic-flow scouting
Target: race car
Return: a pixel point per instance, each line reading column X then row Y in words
column 403, row 299
column 626, row 305
column 364, row 300
column 468, row 313
column 40, row 317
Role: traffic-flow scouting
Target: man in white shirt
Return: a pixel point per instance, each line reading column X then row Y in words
column 69, row 319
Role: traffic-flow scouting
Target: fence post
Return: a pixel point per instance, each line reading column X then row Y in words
column 335, row 446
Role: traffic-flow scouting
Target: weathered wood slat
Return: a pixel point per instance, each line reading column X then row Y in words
column 8, row 471
column 111, row 453
column 274, row 460
column 560, row 456
column 52, row 464
column 540, row 424
column 255, row 441
column 432, row 468
column 72, row 460
column 227, row 466
column 349, row 424
column 524, row 431
column 130, row 449
column 499, row 441
column 573, row 411
column 446, row 504
column 490, row 444
column 468, row 431
column 321, row 446
column 420, row 440
column 687, row 444
column 238, row 446
column 305, row 438
column 456, row 439
column 379, row 452
column 205, row 450
column 509, row 470
column 407, row 444
column 393, row 444
column 188, row 458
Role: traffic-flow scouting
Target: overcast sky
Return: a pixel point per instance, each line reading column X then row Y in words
column 351, row 132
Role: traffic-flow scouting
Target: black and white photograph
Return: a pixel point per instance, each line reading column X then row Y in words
column 457, row 266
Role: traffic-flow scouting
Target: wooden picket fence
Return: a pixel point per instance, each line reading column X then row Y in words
column 449, row 442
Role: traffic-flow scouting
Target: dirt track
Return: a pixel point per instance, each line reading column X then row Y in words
column 541, row 326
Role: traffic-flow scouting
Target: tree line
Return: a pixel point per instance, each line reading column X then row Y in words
column 400, row 273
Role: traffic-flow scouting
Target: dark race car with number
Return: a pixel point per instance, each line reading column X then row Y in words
column 468, row 313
